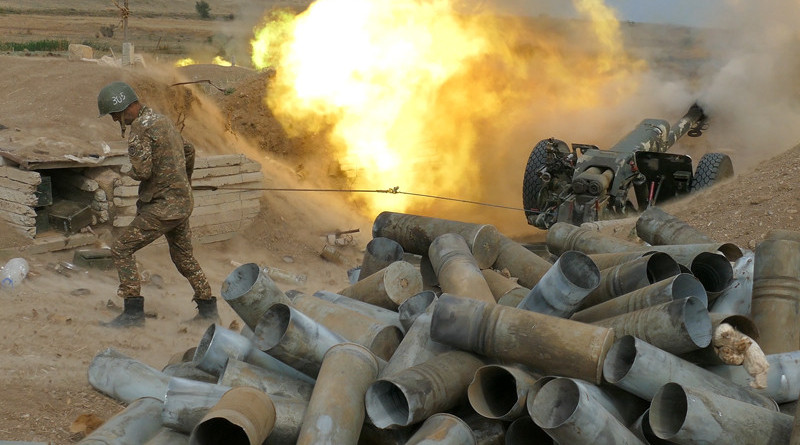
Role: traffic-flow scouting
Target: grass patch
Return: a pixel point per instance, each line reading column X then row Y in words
column 36, row 45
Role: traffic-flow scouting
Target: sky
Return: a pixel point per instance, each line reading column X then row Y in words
column 696, row 13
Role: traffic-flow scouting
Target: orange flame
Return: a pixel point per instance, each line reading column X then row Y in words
column 413, row 90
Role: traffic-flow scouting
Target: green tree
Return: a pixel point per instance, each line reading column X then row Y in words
column 203, row 9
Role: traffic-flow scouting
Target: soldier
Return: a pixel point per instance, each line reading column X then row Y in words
column 163, row 162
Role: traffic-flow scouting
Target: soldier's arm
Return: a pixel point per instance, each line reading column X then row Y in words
column 188, row 153
column 140, row 152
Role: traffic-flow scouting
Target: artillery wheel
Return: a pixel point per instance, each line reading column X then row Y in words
column 532, row 184
column 713, row 167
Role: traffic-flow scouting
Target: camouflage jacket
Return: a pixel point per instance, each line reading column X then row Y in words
column 163, row 162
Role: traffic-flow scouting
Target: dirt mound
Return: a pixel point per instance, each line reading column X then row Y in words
column 742, row 210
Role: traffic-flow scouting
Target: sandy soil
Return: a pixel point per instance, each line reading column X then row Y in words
column 49, row 324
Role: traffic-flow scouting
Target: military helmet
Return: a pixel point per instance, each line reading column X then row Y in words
column 115, row 97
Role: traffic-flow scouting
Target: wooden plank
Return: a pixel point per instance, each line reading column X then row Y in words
column 27, row 177
column 219, row 160
column 16, row 185
column 248, row 167
column 227, row 207
column 16, row 218
column 28, row 199
column 216, row 171
column 51, row 242
column 15, row 207
column 231, row 179
column 25, row 230
column 204, row 194
column 227, row 197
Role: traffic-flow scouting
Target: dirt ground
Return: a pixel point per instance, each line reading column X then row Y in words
column 49, row 329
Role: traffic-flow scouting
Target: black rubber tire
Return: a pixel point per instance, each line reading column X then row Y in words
column 713, row 167
column 531, row 182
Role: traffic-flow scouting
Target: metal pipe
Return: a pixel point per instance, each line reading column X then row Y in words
column 500, row 392
column 499, row 284
column 218, row 344
column 783, row 376
column 414, row 307
column 379, row 253
column 413, row 394
column 684, row 253
column 524, row 431
column 655, row 226
column 239, row 373
column 167, row 436
column 670, row 289
column 776, row 295
column 294, row 338
column 486, row 431
column 641, row 428
column 513, row 298
column 606, row 260
column 416, row 233
column 707, row 356
column 125, row 379
column 549, row 344
column 429, row 279
column 388, row 287
column 189, row 370
column 641, row 369
column 289, row 415
column 456, row 268
column 335, row 413
column 630, row 276
column 714, row 271
column 243, row 415
column 520, row 262
column 443, row 429
column 417, row 346
column 379, row 313
column 137, row 423
column 250, row 291
column 564, row 287
column 565, row 411
column 678, row 326
column 691, row 415
column 187, row 401
column 738, row 297
column 380, row 338
column 562, row 237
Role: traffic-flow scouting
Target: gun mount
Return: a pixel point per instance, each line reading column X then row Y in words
column 584, row 183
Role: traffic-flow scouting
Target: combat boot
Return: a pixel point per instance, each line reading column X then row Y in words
column 132, row 315
column 206, row 310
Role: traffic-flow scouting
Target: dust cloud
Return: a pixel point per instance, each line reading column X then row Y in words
column 548, row 77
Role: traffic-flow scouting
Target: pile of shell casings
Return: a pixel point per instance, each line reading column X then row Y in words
column 452, row 333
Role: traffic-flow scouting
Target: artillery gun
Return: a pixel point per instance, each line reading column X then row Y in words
column 584, row 183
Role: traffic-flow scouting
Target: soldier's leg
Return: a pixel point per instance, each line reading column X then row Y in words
column 180, row 249
column 181, row 252
column 141, row 232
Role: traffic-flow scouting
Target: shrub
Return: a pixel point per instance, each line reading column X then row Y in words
column 203, row 9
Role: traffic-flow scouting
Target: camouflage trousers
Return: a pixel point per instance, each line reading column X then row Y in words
column 143, row 230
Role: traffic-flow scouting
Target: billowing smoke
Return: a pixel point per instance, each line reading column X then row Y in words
column 580, row 71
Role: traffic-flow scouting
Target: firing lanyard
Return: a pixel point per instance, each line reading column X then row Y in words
column 391, row 191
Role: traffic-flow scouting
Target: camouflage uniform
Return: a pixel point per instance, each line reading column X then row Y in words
column 163, row 162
